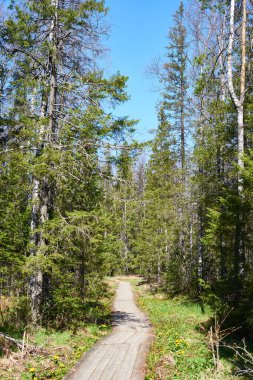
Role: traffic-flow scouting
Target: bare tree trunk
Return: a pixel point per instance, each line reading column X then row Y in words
column 36, row 279
column 239, row 105
column 200, row 212
column 221, row 42
column 125, row 234
column 238, row 101
column 42, row 193
column 53, row 80
column 159, row 270
column 182, row 122
column 200, row 244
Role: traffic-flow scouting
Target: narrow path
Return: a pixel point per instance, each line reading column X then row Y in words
column 120, row 356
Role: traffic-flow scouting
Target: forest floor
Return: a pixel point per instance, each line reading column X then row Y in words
column 181, row 348
column 122, row 354
column 55, row 350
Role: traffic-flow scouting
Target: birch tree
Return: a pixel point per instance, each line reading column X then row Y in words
column 238, row 100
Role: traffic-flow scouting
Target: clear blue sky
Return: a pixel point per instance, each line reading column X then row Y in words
column 139, row 31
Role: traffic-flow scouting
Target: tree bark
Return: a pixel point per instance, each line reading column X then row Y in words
column 36, row 279
column 42, row 194
column 238, row 101
column 182, row 122
column 239, row 258
column 125, row 234
column 53, row 75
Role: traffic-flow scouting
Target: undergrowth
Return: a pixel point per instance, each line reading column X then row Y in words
column 60, row 351
column 56, row 351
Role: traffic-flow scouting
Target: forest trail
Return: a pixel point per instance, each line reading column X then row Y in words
column 120, row 356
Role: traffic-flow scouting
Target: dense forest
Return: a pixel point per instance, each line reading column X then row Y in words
column 80, row 199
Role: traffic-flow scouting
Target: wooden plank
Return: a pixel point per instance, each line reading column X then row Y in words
column 97, row 373
column 89, row 363
column 126, row 370
column 116, row 362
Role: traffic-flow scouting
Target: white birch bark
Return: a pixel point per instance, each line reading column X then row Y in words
column 238, row 100
column 239, row 105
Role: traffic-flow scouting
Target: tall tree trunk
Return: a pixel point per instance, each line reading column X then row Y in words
column 239, row 258
column 125, row 234
column 238, row 101
column 42, row 194
column 182, row 122
column 52, row 130
column 221, row 43
column 200, row 245
column 36, row 279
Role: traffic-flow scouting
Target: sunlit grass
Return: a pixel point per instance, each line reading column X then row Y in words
column 180, row 348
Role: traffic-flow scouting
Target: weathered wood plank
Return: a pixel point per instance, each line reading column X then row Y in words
column 121, row 356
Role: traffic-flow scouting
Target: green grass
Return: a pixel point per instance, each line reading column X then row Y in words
column 180, row 347
column 59, row 351
column 65, row 349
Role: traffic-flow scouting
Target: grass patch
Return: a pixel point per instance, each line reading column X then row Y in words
column 180, row 347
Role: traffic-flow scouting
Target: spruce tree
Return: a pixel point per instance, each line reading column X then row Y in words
column 59, row 96
column 176, row 83
column 156, row 239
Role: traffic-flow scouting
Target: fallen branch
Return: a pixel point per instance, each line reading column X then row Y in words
column 22, row 346
column 12, row 340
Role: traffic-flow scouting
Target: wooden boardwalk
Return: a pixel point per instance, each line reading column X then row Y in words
column 120, row 356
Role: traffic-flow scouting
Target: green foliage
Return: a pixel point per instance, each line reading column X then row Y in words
column 14, row 313
column 56, row 225
column 156, row 229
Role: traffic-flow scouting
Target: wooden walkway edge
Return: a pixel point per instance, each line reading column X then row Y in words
column 121, row 355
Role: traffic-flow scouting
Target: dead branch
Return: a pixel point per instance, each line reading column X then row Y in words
column 9, row 339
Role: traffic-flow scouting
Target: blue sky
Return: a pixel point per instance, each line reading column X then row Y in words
column 139, row 31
